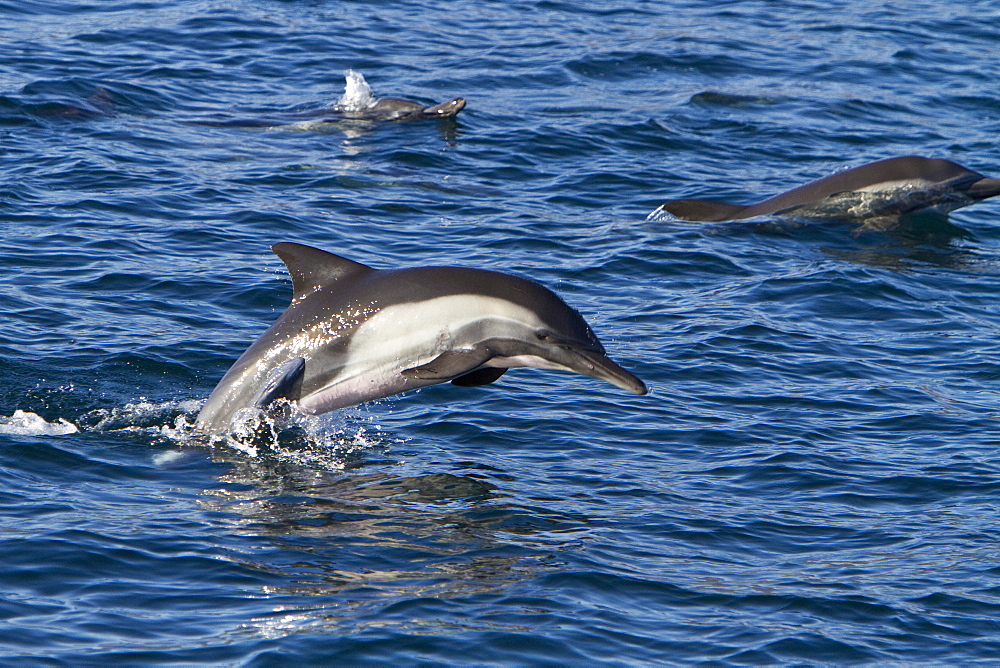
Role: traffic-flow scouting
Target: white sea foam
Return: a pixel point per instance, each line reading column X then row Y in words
column 661, row 215
column 323, row 440
column 32, row 424
column 357, row 93
column 142, row 415
column 167, row 457
column 312, row 440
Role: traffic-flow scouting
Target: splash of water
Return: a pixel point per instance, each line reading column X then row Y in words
column 32, row 424
column 325, row 441
column 661, row 215
column 312, row 440
column 357, row 93
column 141, row 416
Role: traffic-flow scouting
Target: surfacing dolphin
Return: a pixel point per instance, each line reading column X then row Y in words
column 395, row 109
column 353, row 333
column 357, row 104
column 876, row 194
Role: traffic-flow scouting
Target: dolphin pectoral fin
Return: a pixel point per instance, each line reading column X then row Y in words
column 451, row 364
column 285, row 382
column 483, row 376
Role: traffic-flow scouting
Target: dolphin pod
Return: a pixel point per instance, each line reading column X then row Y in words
column 876, row 194
column 353, row 333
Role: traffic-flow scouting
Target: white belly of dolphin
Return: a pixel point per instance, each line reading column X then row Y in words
column 407, row 335
column 526, row 361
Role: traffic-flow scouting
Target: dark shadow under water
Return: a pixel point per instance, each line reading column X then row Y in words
column 371, row 540
column 925, row 238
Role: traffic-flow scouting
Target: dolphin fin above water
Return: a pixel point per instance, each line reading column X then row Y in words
column 463, row 367
column 353, row 333
column 874, row 194
column 311, row 268
column 451, row 364
column 285, row 382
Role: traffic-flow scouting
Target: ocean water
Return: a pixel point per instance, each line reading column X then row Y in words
column 814, row 478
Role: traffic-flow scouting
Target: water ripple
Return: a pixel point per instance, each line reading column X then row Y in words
column 811, row 480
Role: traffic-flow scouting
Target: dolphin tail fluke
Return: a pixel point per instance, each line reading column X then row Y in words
column 702, row 210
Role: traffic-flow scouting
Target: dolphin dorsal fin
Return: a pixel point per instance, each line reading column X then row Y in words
column 311, row 268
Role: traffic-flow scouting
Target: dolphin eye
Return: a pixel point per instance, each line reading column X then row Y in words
column 544, row 335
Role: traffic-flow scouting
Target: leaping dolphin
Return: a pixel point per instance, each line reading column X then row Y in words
column 353, row 333
column 876, row 194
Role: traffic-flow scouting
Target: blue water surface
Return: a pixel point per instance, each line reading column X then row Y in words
column 813, row 480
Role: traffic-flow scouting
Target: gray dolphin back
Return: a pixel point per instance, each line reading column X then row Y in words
column 942, row 174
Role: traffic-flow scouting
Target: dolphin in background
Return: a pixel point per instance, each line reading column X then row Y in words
column 876, row 194
column 353, row 333
column 356, row 104
column 395, row 109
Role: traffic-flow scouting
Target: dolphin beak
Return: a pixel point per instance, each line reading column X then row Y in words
column 449, row 108
column 596, row 364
